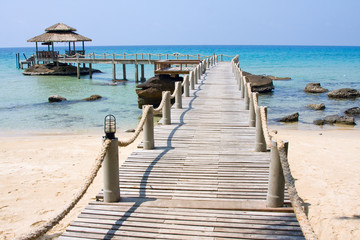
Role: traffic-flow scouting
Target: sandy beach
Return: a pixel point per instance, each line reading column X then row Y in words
column 325, row 164
column 40, row 173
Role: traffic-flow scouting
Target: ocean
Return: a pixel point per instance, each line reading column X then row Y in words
column 24, row 99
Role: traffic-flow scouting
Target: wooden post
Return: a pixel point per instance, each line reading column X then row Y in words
column 166, row 111
column 142, row 78
column 78, row 70
column 186, row 86
column 148, row 134
column 167, row 56
column 251, row 111
column 114, row 71
column 246, row 96
column 260, row 138
column 192, row 81
column 90, row 70
column 242, row 82
column 275, row 195
column 124, row 70
column 136, row 73
column 159, row 56
column 198, row 72
column 111, row 173
column 195, row 75
column 178, row 95
column 221, row 57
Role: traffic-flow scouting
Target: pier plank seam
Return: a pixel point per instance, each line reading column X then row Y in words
column 202, row 181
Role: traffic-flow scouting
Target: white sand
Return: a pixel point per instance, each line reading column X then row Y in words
column 40, row 174
column 326, row 165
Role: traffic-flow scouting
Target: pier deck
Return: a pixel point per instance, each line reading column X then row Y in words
column 202, row 181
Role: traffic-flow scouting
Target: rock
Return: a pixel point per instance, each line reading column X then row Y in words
column 93, row 98
column 56, row 69
column 259, row 83
column 150, row 92
column 56, row 98
column 290, row 118
column 278, row 78
column 275, row 131
column 319, row 122
column 315, row 88
column 130, row 130
column 355, row 111
column 320, row 106
column 344, row 93
column 332, row 119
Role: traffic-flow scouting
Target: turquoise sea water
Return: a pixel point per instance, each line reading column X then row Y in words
column 24, row 106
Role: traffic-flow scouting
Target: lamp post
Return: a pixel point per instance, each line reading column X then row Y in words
column 111, row 162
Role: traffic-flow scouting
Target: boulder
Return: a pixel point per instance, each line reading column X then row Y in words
column 259, row 83
column 290, row 118
column 315, row 88
column 355, row 111
column 131, row 130
column 332, row 119
column 56, row 98
column 56, row 69
column 319, row 122
column 93, row 98
column 150, row 92
column 320, row 106
column 344, row 93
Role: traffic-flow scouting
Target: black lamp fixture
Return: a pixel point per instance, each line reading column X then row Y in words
column 110, row 126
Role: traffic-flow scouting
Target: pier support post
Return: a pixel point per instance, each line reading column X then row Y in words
column 186, row 86
column 149, row 129
column 90, row 70
column 275, row 195
column 166, row 111
column 111, row 173
column 242, row 83
column 78, row 70
column 251, row 110
column 136, row 73
column 178, row 95
column 260, row 145
column 124, row 71
column 114, row 71
column 142, row 78
column 246, row 96
column 192, row 82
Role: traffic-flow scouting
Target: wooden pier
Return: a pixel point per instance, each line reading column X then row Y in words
column 203, row 180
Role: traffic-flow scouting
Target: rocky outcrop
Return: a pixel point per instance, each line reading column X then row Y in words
column 150, row 92
column 290, row 118
column 355, row 111
column 344, row 93
column 93, row 98
column 336, row 119
column 315, row 88
column 278, row 78
column 56, row 98
column 320, row 106
column 56, row 69
column 259, row 83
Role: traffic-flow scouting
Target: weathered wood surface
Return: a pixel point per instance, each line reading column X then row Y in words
column 202, row 181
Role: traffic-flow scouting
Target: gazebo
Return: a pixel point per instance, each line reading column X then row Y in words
column 58, row 33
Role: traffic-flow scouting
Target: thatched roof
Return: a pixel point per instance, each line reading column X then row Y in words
column 59, row 33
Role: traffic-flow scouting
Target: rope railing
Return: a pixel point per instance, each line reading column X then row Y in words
column 279, row 167
column 296, row 201
column 44, row 228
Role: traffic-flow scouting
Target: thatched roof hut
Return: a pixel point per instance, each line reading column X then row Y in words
column 59, row 32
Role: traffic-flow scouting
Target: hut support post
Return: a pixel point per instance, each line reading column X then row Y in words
column 124, row 71
column 78, row 70
column 90, row 70
column 114, row 71
column 142, row 78
column 136, row 73
column 275, row 195
column 111, row 173
column 148, row 135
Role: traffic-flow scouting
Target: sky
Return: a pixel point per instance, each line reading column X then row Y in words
column 187, row 22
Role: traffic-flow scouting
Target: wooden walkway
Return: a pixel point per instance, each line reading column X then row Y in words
column 203, row 180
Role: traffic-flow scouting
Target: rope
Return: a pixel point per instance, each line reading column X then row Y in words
column 55, row 220
column 172, row 96
column 124, row 143
column 267, row 137
column 296, row 201
column 159, row 108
